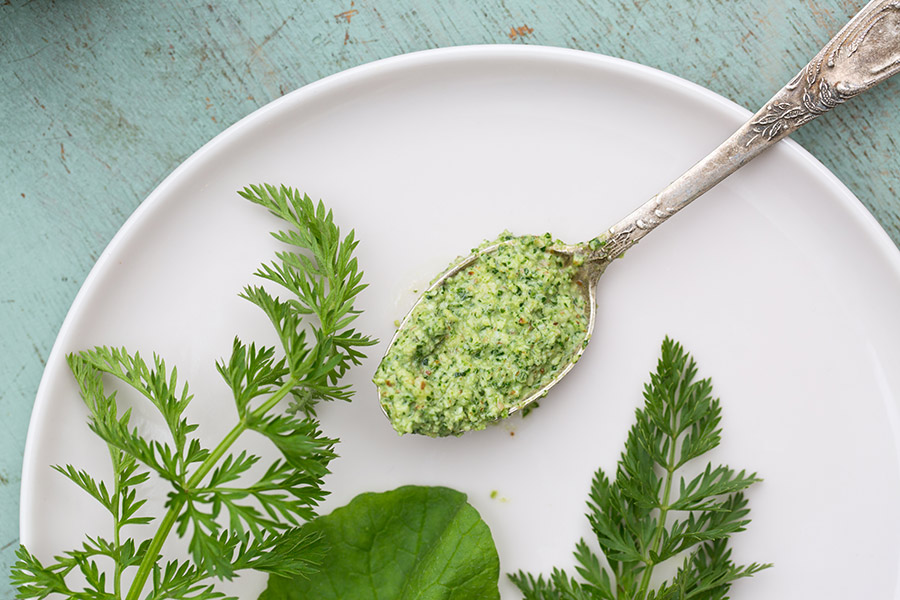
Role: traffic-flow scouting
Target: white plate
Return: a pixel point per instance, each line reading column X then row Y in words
column 779, row 282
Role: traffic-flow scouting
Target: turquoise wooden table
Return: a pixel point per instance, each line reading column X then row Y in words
column 101, row 100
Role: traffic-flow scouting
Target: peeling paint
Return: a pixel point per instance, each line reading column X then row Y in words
column 43, row 364
column 519, row 32
column 347, row 15
column 62, row 157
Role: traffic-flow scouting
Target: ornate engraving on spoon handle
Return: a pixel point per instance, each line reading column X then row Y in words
column 863, row 54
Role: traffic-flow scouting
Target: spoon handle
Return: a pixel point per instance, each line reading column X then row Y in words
column 864, row 53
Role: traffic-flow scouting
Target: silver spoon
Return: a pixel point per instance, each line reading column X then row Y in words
column 863, row 54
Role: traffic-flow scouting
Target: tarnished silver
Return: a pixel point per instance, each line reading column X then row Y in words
column 865, row 52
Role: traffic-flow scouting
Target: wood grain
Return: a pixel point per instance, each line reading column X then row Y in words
column 101, row 100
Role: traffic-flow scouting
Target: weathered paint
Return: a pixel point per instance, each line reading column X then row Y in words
column 100, row 100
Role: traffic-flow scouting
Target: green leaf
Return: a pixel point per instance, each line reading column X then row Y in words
column 425, row 543
column 233, row 520
column 648, row 515
column 153, row 383
column 324, row 279
column 36, row 580
column 250, row 373
column 83, row 480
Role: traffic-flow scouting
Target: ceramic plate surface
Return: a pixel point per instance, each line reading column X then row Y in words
column 778, row 281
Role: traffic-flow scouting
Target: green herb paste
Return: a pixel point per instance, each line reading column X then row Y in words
column 485, row 340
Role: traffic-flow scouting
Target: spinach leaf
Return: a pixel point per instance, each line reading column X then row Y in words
column 417, row 542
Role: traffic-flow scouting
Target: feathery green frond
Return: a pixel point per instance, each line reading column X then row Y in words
column 235, row 515
column 630, row 516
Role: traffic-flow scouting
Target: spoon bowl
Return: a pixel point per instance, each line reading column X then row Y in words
column 585, row 274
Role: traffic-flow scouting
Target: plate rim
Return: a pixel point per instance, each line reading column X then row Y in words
column 155, row 200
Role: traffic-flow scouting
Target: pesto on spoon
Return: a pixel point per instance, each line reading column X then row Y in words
column 477, row 346
column 485, row 337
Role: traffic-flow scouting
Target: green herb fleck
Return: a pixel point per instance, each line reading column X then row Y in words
column 533, row 405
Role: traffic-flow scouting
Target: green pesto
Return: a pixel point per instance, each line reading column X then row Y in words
column 485, row 340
